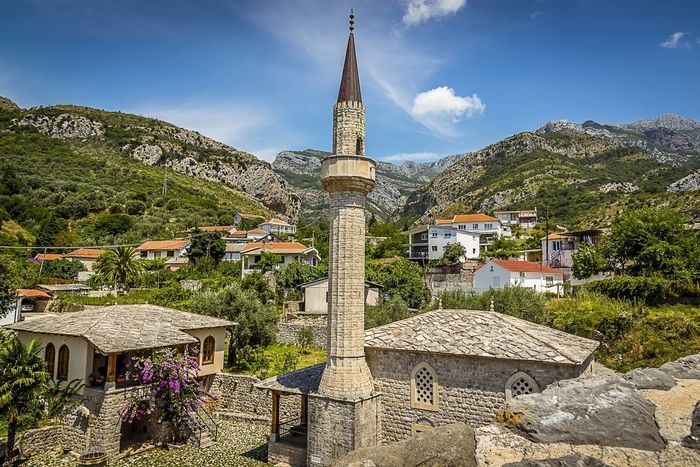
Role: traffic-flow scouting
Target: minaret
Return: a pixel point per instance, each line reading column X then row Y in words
column 348, row 177
column 344, row 414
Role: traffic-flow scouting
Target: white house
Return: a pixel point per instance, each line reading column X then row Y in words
column 558, row 248
column 154, row 249
column 87, row 257
column 525, row 219
column 278, row 226
column 487, row 226
column 238, row 239
column 12, row 314
column 441, row 236
column 316, row 295
column 500, row 274
column 287, row 251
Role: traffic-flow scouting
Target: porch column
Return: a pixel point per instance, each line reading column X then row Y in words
column 275, row 428
column 304, row 400
column 111, row 381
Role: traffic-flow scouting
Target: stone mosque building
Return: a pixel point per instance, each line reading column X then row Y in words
column 435, row 368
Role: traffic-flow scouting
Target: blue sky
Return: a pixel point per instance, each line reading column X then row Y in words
column 438, row 77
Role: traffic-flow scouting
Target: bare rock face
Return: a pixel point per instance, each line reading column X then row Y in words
column 572, row 460
column 597, row 410
column 65, row 126
column 624, row 187
column 683, row 368
column 693, row 439
column 690, row 182
column 650, row 378
column 147, row 153
column 447, row 446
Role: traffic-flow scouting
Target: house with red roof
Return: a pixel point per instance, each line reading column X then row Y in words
column 287, row 252
column 502, row 273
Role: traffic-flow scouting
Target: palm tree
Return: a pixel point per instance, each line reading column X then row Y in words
column 22, row 377
column 119, row 265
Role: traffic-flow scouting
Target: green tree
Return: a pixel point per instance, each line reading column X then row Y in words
column 256, row 322
column 207, row 245
column 119, row 266
column 588, row 261
column 62, row 268
column 393, row 310
column 268, row 261
column 299, row 273
column 22, row 377
column 502, row 248
column 113, row 224
column 8, row 294
column 401, row 278
column 453, row 254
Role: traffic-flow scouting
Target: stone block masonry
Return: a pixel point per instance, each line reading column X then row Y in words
column 239, row 399
column 349, row 129
column 471, row 389
column 288, row 331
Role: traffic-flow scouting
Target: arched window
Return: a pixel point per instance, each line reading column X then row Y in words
column 208, row 350
column 50, row 358
column 424, row 388
column 63, row 360
column 520, row 383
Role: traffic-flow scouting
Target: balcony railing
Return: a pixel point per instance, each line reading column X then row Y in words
column 294, row 432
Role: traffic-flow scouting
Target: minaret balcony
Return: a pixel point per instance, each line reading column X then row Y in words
column 348, row 173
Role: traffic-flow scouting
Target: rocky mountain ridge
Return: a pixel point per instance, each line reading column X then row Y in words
column 159, row 143
column 395, row 182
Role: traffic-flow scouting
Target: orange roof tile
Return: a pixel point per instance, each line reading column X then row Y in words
column 555, row 235
column 443, row 221
column 33, row 293
column 276, row 247
column 257, row 232
column 274, row 221
column 472, row 218
column 525, row 266
column 175, row 244
column 85, row 253
column 47, row 256
column 216, row 228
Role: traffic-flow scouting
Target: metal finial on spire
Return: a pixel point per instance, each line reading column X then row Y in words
column 352, row 20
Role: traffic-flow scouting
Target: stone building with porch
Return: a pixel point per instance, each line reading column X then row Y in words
column 94, row 347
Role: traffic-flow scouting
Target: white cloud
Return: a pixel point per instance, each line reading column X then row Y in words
column 535, row 14
column 440, row 107
column 412, row 156
column 245, row 126
column 675, row 40
column 418, row 11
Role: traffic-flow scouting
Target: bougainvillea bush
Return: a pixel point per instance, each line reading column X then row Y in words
column 172, row 395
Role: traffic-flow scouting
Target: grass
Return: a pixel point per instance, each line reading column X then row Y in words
column 279, row 358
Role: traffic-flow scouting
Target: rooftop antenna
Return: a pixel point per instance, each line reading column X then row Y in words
column 352, row 20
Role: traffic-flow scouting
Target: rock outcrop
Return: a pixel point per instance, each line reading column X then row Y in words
column 650, row 378
column 64, row 126
column 447, row 446
column 690, row 182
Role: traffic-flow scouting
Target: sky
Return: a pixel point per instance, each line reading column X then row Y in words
column 438, row 77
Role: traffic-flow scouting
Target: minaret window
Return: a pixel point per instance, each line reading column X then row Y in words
column 424, row 388
column 520, row 383
column 359, row 147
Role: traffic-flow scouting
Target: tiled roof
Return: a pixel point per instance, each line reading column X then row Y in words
column 235, row 247
column 472, row 218
column 47, row 256
column 175, row 244
column 443, row 221
column 481, row 334
column 257, row 232
column 304, row 381
column 275, row 221
column 216, row 228
column 121, row 328
column 525, row 266
column 33, row 293
column 276, row 247
column 250, row 216
column 555, row 236
column 64, row 287
column 85, row 253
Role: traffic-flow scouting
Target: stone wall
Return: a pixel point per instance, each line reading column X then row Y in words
column 348, row 127
column 441, row 281
column 288, row 331
column 470, row 389
column 238, row 398
column 37, row 441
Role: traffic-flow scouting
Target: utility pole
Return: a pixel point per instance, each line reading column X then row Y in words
column 546, row 233
column 165, row 182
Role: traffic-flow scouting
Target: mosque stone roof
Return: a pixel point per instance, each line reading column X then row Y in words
column 481, row 334
column 303, row 381
column 120, row 328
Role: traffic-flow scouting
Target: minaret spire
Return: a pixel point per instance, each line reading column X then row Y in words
column 350, row 82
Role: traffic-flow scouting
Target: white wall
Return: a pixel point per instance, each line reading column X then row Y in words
column 219, row 335
column 80, row 357
column 500, row 278
column 155, row 254
column 488, row 227
column 13, row 313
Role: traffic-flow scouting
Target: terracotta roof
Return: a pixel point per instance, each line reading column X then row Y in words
column 525, row 266
column 175, row 244
column 555, row 235
column 235, row 247
column 443, row 221
column 47, row 256
column 85, row 253
column 121, row 328
column 350, row 82
column 275, row 221
column 481, row 334
column 276, row 247
column 216, row 228
column 472, row 218
column 303, row 381
column 33, row 293
column 257, row 232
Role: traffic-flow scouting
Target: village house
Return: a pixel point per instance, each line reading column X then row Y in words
column 94, row 346
column 501, row 274
column 278, row 227
column 167, row 249
column 316, row 295
column 224, row 229
column 41, row 257
column 288, row 252
column 558, row 248
column 237, row 240
column 524, row 219
column 55, row 290
column 87, row 257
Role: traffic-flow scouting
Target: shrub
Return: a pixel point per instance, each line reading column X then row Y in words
column 62, row 268
column 135, row 207
column 305, row 338
column 514, row 301
column 393, row 310
column 647, row 289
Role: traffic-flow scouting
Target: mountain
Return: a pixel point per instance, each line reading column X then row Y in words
column 88, row 175
column 395, row 182
column 583, row 173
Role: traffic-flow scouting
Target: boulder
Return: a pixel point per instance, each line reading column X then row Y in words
column 572, row 460
column 683, row 368
column 693, row 439
column 650, row 378
column 448, row 446
column 599, row 410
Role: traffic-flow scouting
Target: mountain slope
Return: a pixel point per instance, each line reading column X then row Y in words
column 395, row 182
column 67, row 181
column 159, row 143
column 584, row 174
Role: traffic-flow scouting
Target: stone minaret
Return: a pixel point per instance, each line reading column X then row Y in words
column 348, row 177
column 344, row 414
